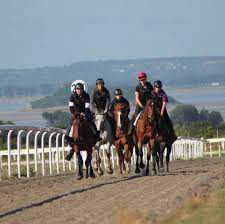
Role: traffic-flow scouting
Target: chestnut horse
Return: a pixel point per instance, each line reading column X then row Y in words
column 146, row 132
column 82, row 139
column 125, row 141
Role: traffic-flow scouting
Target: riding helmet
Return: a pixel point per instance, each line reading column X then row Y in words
column 142, row 75
column 158, row 84
column 100, row 81
column 118, row 92
column 79, row 86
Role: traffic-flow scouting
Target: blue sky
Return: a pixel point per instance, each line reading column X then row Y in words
column 37, row 33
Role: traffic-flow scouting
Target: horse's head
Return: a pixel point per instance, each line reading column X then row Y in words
column 100, row 119
column 150, row 110
column 77, row 122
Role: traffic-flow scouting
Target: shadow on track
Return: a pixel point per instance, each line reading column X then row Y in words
column 54, row 198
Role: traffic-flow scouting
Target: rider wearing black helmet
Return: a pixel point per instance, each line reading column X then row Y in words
column 119, row 99
column 161, row 100
column 80, row 104
column 101, row 96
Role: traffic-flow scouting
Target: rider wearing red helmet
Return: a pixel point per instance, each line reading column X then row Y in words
column 142, row 94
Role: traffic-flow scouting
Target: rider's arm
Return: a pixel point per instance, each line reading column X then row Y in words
column 87, row 107
column 164, row 101
column 163, row 109
column 93, row 100
column 127, row 109
column 71, row 105
column 107, row 100
column 137, row 97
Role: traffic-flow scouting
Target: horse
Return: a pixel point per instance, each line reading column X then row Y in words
column 105, row 133
column 146, row 132
column 124, row 140
column 163, row 142
column 82, row 139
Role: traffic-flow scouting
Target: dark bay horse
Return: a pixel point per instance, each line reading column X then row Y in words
column 164, row 141
column 125, row 141
column 82, row 139
column 146, row 132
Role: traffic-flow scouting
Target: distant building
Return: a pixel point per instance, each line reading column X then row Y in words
column 215, row 84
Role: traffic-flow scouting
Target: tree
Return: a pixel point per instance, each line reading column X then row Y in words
column 57, row 119
column 184, row 114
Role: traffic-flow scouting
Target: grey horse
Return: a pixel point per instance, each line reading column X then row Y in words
column 105, row 133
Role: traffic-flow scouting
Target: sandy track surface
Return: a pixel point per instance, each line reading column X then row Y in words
column 106, row 199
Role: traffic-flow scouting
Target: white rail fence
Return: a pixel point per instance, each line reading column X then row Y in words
column 44, row 151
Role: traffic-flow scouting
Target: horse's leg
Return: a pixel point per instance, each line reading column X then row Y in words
column 108, row 153
column 148, row 159
column 88, row 163
column 140, row 145
column 98, row 161
column 120, row 155
column 127, row 157
column 154, row 156
column 80, row 164
column 161, row 155
column 137, row 169
column 169, row 149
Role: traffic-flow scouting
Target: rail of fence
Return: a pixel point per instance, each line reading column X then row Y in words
column 44, row 149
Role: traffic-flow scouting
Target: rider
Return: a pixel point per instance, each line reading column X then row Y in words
column 101, row 96
column 161, row 100
column 142, row 94
column 80, row 104
column 119, row 99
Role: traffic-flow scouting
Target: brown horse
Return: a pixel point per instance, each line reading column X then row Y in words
column 125, row 141
column 164, row 141
column 146, row 133
column 82, row 139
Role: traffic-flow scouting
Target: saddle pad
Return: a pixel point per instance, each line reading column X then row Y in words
column 136, row 120
column 71, row 131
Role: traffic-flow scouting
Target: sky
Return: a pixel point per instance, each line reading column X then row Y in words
column 35, row 33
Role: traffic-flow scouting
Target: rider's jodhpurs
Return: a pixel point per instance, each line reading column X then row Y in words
column 138, row 109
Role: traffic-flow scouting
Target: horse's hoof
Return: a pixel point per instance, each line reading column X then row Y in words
column 147, row 172
column 87, row 175
column 92, row 175
column 100, row 172
column 80, row 177
column 161, row 170
column 95, row 168
column 110, row 171
column 142, row 165
column 137, row 170
column 154, row 172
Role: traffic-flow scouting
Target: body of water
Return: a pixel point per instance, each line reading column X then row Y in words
column 211, row 98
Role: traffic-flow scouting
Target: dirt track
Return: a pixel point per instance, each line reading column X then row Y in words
column 107, row 199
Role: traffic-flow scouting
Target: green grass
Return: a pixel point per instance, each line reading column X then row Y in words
column 205, row 209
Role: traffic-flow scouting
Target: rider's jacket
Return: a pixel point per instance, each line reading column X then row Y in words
column 126, row 106
column 80, row 104
column 159, row 98
column 144, row 93
column 100, row 99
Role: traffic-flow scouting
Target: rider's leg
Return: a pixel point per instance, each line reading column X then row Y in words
column 95, row 130
column 137, row 111
column 112, row 125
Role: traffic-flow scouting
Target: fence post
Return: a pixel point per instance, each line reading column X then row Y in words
column 28, row 154
column 18, row 153
column 57, row 153
column 36, row 152
column 43, row 152
column 9, row 152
